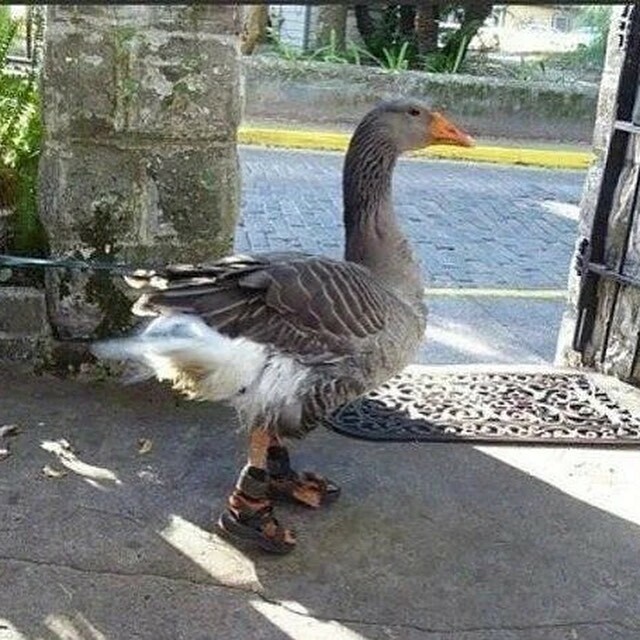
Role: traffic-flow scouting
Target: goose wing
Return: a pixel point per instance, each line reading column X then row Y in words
column 303, row 305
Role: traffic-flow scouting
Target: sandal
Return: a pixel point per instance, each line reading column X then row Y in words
column 306, row 488
column 249, row 518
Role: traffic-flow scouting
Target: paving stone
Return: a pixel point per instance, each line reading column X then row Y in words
column 471, row 224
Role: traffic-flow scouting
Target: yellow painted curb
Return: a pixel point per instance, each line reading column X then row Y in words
column 479, row 292
column 325, row 141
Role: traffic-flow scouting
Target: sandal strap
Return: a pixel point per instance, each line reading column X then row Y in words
column 279, row 469
column 256, row 514
column 253, row 482
column 310, row 476
column 278, row 462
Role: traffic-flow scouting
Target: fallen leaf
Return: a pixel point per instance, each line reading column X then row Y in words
column 7, row 430
column 144, row 445
column 50, row 472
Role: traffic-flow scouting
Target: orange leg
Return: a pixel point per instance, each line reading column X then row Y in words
column 259, row 442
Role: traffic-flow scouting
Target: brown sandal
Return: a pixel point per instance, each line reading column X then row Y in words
column 249, row 518
column 306, row 488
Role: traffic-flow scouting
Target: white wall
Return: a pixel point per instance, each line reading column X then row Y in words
column 293, row 22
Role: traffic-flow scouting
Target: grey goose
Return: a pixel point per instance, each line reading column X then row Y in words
column 286, row 338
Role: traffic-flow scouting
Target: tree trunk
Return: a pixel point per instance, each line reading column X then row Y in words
column 407, row 21
column 254, row 27
column 475, row 13
column 365, row 22
column 389, row 24
column 331, row 18
column 427, row 27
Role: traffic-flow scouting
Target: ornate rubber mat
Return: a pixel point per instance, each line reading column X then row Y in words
column 509, row 408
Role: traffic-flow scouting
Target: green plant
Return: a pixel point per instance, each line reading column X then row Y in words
column 19, row 118
column 20, row 138
column 8, row 28
column 420, row 24
column 595, row 20
column 388, row 33
column 331, row 52
column 529, row 70
column 394, row 58
column 352, row 53
column 355, row 54
column 283, row 49
column 447, row 60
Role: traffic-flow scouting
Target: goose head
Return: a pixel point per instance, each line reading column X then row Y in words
column 373, row 237
column 411, row 125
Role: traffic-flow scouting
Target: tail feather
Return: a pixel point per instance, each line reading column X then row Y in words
column 196, row 358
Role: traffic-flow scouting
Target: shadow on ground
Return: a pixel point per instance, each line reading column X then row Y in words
column 428, row 541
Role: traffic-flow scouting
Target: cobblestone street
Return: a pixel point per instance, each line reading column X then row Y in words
column 472, row 224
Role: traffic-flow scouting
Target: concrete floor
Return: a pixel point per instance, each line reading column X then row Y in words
column 465, row 330
column 427, row 541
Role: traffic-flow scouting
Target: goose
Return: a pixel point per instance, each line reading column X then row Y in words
column 286, row 338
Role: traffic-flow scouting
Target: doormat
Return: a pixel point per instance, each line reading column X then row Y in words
column 489, row 408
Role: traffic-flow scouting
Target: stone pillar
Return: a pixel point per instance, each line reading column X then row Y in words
column 624, row 329
column 141, row 107
column 255, row 21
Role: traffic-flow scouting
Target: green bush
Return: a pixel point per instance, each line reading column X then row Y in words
column 20, row 139
column 589, row 56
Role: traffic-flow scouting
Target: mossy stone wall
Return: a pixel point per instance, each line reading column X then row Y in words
column 141, row 109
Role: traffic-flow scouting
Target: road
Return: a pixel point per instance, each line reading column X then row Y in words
column 472, row 224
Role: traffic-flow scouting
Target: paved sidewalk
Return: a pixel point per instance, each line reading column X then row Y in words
column 428, row 542
column 472, row 224
column 491, row 330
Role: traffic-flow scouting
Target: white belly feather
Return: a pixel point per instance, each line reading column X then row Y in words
column 209, row 366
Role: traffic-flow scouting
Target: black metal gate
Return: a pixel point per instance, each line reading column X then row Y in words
column 597, row 268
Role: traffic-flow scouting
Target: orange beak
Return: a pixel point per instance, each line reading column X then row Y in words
column 441, row 131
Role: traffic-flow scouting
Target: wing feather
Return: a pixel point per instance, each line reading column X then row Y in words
column 300, row 304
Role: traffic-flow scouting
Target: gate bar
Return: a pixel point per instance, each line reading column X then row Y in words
column 618, row 143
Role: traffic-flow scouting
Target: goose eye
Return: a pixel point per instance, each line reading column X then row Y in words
column 414, row 112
